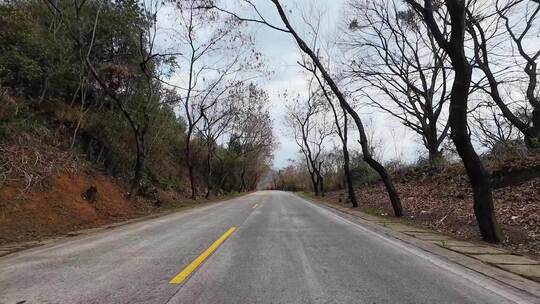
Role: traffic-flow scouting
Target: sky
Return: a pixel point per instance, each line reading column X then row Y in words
column 281, row 55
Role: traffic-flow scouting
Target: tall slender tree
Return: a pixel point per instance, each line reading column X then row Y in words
column 310, row 127
column 332, row 84
column 459, row 133
column 217, row 55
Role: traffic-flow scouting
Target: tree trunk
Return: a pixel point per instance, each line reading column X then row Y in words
column 392, row 193
column 532, row 134
column 189, row 165
column 532, row 138
column 76, row 131
column 44, row 90
column 191, row 181
column 137, row 171
column 343, row 135
column 315, row 183
column 348, row 177
column 347, row 161
column 320, row 181
column 243, row 185
column 432, row 142
column 478, row 176
column 321, row 185
column 82, row 113
column 209, row 171
column 98, row 159
column 455, row 48
column 434, row 155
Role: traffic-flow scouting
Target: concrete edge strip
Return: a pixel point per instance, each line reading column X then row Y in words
column 450, row 248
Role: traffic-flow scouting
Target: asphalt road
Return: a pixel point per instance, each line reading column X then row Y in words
column 284, row 250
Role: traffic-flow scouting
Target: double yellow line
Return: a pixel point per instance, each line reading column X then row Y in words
column 184, row 274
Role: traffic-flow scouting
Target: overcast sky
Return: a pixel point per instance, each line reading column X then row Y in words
column 281, row 55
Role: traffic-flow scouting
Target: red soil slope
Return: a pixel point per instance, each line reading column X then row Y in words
column 59, row 207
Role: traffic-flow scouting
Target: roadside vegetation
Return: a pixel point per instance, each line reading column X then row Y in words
column 164, row 99
column 94, row 128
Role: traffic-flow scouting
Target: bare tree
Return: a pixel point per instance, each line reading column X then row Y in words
column 493, row 131
column 216, row 121
column 217, row 52
column 455, row 49
column 342, row 132
column 342, row 126
column 390, row 53
column 310, row 128
column 483, row 26
column 329, row 79
column 251, row 138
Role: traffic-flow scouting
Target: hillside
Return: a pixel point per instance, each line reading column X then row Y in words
column 92, row 131
column 441, row 198
column 53, row 182
column 48, row 188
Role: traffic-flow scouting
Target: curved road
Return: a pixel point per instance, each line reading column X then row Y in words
column 284, row 250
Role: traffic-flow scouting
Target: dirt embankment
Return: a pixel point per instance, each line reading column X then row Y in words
column 442, row 200
column 47, row 189
column 60, row 207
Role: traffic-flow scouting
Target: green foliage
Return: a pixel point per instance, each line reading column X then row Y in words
column 43, row 64
column 35, row 53
column 15, row 120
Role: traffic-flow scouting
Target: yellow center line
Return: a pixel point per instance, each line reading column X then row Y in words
column 179, row 278
column 255, row 206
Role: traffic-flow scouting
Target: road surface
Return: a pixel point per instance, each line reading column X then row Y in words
column 284, row 250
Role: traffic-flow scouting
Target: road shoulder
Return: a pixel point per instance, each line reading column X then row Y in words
column 511, row 270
